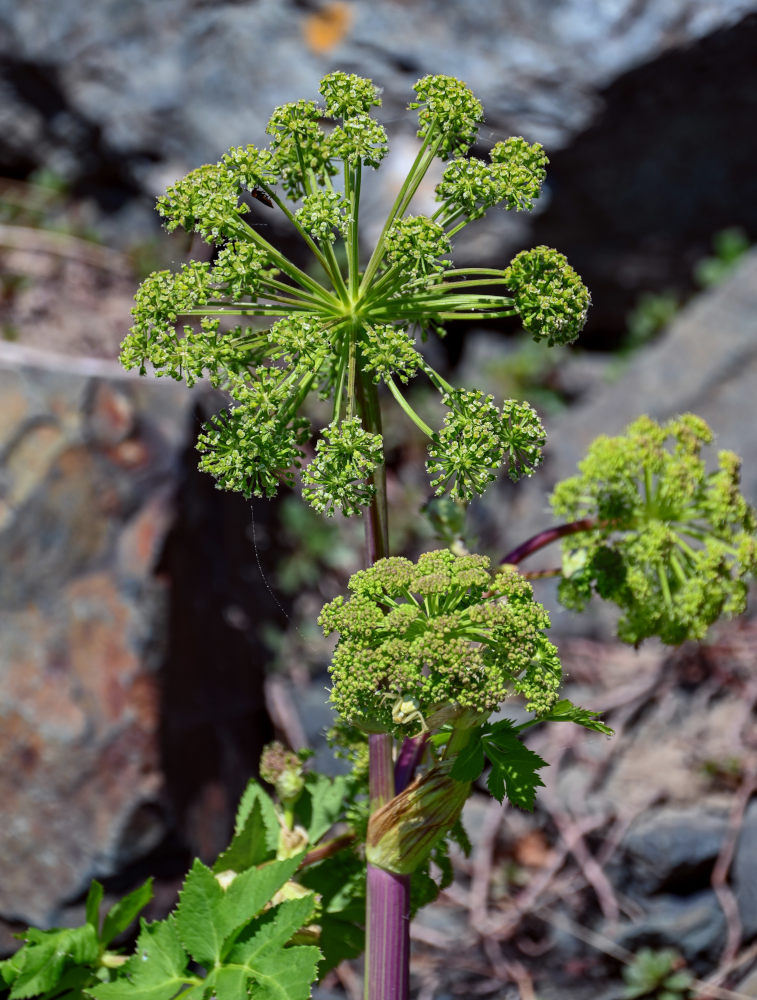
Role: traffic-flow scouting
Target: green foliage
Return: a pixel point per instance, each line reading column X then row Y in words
column 657, row 975
column 232, row 933
column 513, row 765
column 729, row 246
column 352, row 333
column 444, row 638
column 672, row 544
column 66, row 962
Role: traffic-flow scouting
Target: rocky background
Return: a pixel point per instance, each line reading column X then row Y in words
column 139, row 607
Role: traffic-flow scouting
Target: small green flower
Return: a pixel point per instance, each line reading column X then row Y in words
column 389, row 350
column 444, row 635
column 206, row 201
column 673, row 544
column 477, row 439
column 550, row 298
column 337, row 326
column 523, row 438
column 417, row 244
column 338, row 478
column 322, row 215
column 348, row 95
column 447, row 105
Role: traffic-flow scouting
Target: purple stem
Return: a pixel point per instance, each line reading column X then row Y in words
column 387, row 945
column 408, row 759
column 387, row 966
column 543, row 538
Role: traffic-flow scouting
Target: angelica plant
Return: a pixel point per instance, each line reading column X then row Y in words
column 427, row 652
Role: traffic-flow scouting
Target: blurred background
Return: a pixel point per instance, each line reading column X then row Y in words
column 155, row 633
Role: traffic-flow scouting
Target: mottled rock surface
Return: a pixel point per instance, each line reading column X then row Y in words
column 131, row 704
column 87, row 459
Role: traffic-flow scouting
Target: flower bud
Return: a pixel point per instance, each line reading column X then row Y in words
column 402, row 832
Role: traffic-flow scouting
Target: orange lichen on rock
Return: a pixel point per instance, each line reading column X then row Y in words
column 324, row 29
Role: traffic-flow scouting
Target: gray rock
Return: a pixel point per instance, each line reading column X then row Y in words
column 693, row 925
column 744, row 872
column 672, row 850
column 86, row 457
column 186, row 80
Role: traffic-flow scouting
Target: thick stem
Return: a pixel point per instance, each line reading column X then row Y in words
column 387, row 964
column 387, row 934
column 408, row 760
column 543, row 538
column 387, row 944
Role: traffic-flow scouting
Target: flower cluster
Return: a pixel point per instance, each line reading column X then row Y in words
column 550, row 298
column 514, row 175
column 443, row 639
column 477, row 439
column 269, row 333
column 673, row 544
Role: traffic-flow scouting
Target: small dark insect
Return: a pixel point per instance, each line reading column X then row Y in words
column 261, row 196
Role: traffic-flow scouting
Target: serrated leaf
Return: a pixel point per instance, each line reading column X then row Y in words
column 156, row 971
column 566, row 711
column 42, row 968
column 290, row 979
column 225, row 983
column 249, row 846
column 92, row 909
column 125, row 911
column 279, row 972
column 469, row 763
column 271, row 931
column 255, row 793
column 208, row 916
column 47, row 956
column 321, row 804
column 200, row 930
column 514, row 769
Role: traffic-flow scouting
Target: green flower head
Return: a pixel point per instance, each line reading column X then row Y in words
column 443, row 639
column 339, row 326
column 673, row 544
column 550, row 298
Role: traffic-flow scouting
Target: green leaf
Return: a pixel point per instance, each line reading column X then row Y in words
column 224, row 983
column 250, row 845
column 252, row 890
column 469, row 763
column 125, row 911
column 47, row 955
column 321, row 805
column 94, row 899
column 255, row 793
column 208, row 916
column 156, row 971
column 200, row 930
column 279, row 973
column 566, row 711
column 514, row 769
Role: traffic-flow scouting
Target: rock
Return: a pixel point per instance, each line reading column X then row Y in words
column 131, row 701
column 82, row 480
column 672, row 850
column 744, row 872
column 693, row 925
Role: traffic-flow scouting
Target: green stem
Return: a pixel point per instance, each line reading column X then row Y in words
column 407, row 407
column 415, row 175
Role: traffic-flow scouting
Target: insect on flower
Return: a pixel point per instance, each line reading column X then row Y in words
column 259, row 195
